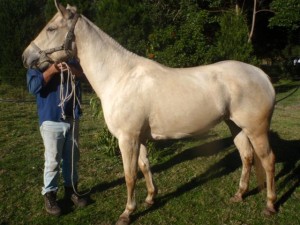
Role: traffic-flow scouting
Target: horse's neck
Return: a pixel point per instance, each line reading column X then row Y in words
column 102, row 59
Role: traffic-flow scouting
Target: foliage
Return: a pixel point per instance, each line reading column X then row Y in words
column 86, row 8
column 181, row 44
column 20, row 20
column 176, row 33
column 127, row 21
column 106, row 142
column 231, row 40
column 286, row 14
column 287, row 17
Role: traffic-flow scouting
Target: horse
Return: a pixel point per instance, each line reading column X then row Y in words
column 143, row 99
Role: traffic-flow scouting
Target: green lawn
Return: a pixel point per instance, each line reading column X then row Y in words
column 195, row 177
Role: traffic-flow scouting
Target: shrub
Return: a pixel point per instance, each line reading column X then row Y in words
column 106, row 141
column 232, row 40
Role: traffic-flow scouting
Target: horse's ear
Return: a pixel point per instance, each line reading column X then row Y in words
column 60, row 8
column 73, row 9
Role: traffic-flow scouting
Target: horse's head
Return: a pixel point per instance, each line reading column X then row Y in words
column 56, row 42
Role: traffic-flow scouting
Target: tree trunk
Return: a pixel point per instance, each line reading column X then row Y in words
column 253, row 21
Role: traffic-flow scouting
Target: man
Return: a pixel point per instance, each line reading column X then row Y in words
column 58, row 120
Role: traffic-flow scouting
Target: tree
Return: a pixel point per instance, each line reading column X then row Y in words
column 20, row 20
column 183, row 41
column 127, row 21
column 87, row 8
column 231, row 41
column 286, row 14
column 176, row 33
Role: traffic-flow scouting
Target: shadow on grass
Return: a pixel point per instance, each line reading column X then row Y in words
column 287, row 153
column 286, row 88
column 227, row 165
column 203, row 150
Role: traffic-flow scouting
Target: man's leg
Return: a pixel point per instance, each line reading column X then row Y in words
column 70, row 157
column 53, row 134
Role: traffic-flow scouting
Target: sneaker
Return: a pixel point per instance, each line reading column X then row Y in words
column 76, row 199
column 51, row 205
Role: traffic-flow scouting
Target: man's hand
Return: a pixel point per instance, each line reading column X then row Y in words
column 56, row 68
column 51, row 71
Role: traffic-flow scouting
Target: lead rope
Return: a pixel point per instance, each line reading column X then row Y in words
column 65, row 97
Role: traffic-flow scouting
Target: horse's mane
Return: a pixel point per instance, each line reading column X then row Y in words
column 108, row 39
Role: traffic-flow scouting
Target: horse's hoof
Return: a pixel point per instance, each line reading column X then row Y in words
column 149, row 203
column 123, row 221
column 236, row 198
column 269, row 211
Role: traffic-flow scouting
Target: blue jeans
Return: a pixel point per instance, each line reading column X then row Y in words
column 59, row 147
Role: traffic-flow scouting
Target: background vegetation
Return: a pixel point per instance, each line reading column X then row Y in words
column 176, row 33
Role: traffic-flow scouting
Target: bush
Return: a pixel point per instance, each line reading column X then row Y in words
column 106, row 141
column 232, row 40
column 183, row 45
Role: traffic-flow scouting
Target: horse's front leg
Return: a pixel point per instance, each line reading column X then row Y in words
column 129, row 147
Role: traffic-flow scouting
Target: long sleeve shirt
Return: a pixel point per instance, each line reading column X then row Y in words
column 48, row 97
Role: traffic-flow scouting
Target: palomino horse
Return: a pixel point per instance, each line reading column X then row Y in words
column 143, row 99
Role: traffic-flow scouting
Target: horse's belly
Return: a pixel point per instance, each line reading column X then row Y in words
column 183, row 123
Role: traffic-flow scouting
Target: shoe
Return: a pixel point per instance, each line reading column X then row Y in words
column 76, row 199
column 51, row 205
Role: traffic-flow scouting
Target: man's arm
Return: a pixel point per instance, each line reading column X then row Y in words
column 50, row 72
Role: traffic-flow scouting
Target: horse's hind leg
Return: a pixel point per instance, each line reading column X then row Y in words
column 264, row 153
column 145, row 168
column 245, row 149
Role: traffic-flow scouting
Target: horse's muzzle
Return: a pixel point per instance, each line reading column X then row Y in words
column 33, row 60
column 30, row 58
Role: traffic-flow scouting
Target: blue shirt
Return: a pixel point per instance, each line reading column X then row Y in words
column 48, row 97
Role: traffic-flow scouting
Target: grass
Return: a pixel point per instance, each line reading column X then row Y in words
column 195, row 177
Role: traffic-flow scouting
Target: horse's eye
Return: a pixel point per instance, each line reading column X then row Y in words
column 51, row 28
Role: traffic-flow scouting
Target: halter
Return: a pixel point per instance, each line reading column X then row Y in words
column 66, row 46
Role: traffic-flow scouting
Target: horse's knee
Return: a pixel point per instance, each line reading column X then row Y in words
column 268, row 161
column 130, row 180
